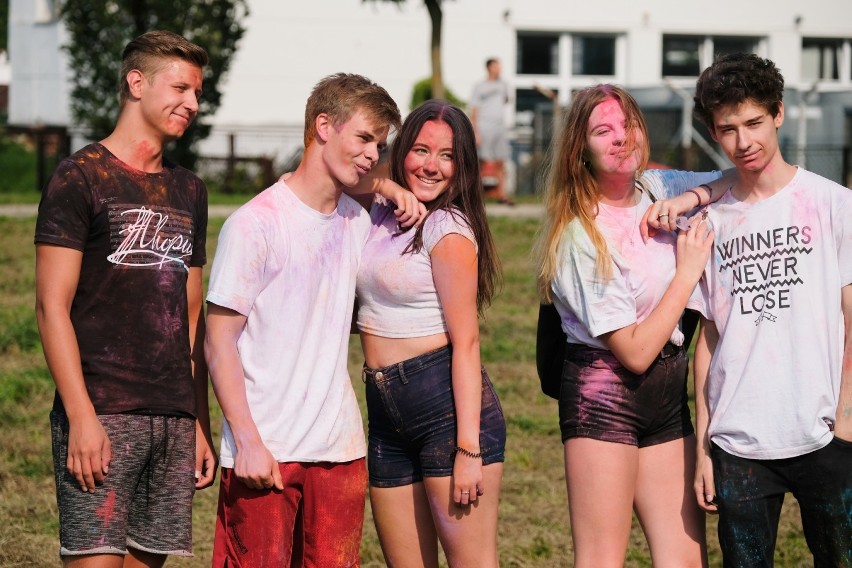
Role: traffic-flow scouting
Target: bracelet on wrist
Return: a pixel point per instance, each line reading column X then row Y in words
column 696, row 194
column 468, row 453
column 709, row 191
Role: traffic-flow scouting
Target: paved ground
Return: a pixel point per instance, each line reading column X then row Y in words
column 520, row 211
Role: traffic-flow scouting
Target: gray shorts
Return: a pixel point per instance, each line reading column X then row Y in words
column 493, row 145
column 145, row 501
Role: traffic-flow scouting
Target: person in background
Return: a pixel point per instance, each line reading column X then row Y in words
column 120, row 245
column 486, row 114
column 623, row 409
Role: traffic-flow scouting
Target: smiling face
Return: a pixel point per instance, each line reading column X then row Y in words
column 428, row 166
column 169, row 98
column 747, row 133
column 352, row 148
column 612, row 148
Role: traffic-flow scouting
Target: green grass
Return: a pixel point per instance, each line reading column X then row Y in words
column 534, row 526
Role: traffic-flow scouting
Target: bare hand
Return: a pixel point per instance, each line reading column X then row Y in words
column 256, row 468
column 694, row 247
column 467, row 480
column 205, row 459
column 705, row 490
column 409, row 211
column 663, row 214
column 89, row 452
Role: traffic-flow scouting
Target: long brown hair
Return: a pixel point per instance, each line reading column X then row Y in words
column 572, row 191
column 463, row 194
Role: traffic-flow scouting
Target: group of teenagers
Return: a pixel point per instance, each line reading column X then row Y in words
column 762, row 251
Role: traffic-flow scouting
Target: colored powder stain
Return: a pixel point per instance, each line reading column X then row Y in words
column 106, row 512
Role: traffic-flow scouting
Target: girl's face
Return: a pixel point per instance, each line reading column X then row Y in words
column 610, row 147
column 428, row 166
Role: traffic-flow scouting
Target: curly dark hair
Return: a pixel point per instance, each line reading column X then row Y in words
column 734, row 79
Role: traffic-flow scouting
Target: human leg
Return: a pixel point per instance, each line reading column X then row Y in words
column 666, row 507
column 468, row 533
column 750, row 494
column 405, row 527
column 600, row 477
column 822, row 483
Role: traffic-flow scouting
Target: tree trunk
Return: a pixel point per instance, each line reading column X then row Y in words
column 434, row 7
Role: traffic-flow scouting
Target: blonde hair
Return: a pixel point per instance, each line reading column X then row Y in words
column 571, row 191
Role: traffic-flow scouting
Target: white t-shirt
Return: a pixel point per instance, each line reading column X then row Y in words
column 396, row 291
column 641, row 272
column 772, row 287
column 291, row 271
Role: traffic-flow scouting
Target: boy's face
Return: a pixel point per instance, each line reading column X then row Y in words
column 352, row 148
column 169, row 99
column 748, row 134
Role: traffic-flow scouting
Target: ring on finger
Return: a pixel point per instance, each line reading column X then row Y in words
column 661, row 215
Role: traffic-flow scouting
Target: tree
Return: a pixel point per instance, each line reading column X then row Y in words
column 436, row 15
column 99, row 30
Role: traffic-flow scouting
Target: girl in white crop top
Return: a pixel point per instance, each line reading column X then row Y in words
column 420, row 293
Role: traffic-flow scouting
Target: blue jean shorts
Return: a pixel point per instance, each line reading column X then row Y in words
column 412, row 420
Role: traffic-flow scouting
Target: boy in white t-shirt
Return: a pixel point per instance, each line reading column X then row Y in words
column 773, row 363
column 280, row 307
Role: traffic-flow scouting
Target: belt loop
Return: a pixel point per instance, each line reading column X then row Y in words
column 401, row 368
column 364, row 374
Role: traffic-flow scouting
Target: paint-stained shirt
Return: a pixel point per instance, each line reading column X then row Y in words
column 290, row 270
column 772, row 287
column 139, row 234
column 396, row 290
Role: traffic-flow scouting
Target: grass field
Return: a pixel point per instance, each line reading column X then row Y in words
column 534, row 526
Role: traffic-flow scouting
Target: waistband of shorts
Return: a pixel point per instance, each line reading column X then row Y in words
column 408, row 366
column 668, row 350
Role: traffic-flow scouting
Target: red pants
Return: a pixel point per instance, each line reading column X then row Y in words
column 316, row 521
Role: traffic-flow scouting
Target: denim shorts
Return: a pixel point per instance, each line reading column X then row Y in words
column 601, row 399
column 412, row 420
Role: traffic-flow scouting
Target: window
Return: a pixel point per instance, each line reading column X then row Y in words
column 820, row 59
column 538, row 54
column 726, row 45
column 680, row 56
column 593, row 55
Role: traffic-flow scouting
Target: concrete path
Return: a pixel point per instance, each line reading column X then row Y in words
column 520, row 211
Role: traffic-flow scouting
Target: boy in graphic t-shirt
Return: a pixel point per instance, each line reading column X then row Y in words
column 120, row 246
column 773, row 363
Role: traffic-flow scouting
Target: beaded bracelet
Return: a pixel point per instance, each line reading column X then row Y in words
column 468, row 453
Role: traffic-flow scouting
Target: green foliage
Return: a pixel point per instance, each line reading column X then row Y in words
column 18, row 164
column 99, row 30
column 422, row 92
column 4, row 25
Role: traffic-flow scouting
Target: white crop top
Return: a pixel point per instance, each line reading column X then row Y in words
column 396, row 292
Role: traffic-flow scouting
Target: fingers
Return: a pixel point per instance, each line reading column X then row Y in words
column 277, row 482
column 205, row 472
column 410, row 212
column 645, row 228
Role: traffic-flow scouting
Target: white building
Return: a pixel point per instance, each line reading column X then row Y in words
column 655, row 48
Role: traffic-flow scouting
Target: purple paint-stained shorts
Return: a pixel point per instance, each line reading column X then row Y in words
column 600, row 399
column 145, row 501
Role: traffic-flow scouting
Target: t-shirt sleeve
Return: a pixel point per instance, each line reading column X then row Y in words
column 199, row 245
column 601, row 306
column 442, row 223
column 665, row 184
column 237, row 275
column 65, row 210
column 843, row 236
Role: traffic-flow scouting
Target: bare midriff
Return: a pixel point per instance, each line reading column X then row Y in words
column 385, row 351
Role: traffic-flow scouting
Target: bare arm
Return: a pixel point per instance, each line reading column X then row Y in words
column 675, row 207
column 57, row 275
column 205, row 455
column 637, row 345
column 254, row 465
column 454, row 269
column 409, row 211
column 705, row 490
column 843, row 424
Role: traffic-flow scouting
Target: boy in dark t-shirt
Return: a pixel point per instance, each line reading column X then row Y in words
column 120, row 246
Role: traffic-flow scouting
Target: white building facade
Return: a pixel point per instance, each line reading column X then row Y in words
column 655, row 48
